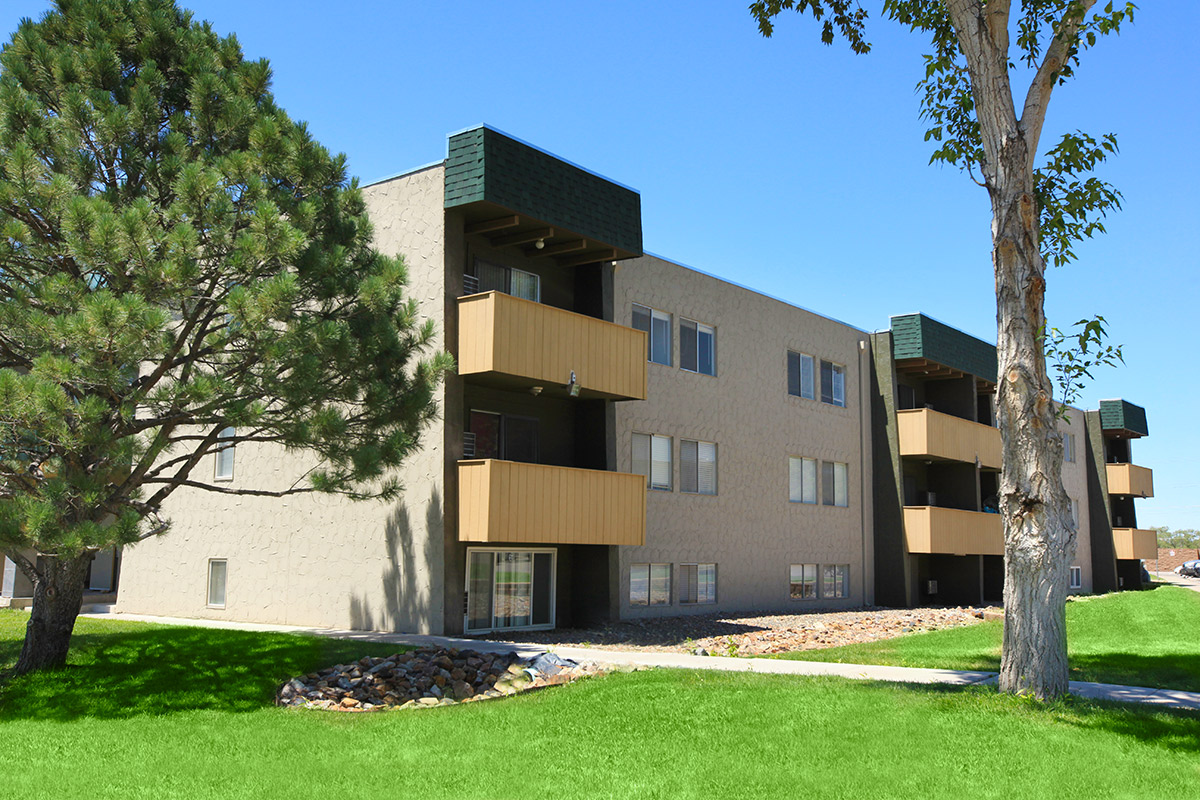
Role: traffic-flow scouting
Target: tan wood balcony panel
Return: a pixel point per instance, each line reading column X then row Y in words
column 931, row 434
column 1135, row 543
column 929, row 529
column 1130, row 479
column 511, row 502
column 510, row 338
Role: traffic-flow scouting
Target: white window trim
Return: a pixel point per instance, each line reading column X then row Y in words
column 816, row 481
column 1076, row 579
column 845, row 584
column 816, row 377
column 700, row 327
column 816, row 583
column 650, row 565
column 670, row 487
column 208, row 583
column 553, row 586
column 670, row 320
column 838, row 369
column 220, row 449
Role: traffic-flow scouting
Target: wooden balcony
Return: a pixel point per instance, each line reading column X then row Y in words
column 1130, row 479
column 1135, row 543
column 511, row 502
column 929, row 529
column 518, row 344
column 930, row 434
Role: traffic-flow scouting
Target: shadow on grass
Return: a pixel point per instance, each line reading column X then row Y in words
column 157, row 671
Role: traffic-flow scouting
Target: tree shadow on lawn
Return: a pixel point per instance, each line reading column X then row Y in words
column 1174, row 729
column 158, row 671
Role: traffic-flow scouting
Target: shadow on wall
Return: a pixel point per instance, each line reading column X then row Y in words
column 407, row 581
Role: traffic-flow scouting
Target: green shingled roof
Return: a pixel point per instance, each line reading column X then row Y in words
column 918, row 336
column 1121, row 415
column 485, row 165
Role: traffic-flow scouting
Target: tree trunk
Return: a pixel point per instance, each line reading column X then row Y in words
column 57, row 597
column 1038, row 534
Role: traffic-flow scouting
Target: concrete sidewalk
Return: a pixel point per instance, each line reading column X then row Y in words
column 1096, row 691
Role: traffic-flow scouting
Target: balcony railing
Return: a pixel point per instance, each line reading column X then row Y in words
column 952, row 531
column 518, row 343
column 931, row 434
column 511, row 502
column 1130, row 479
column 1135, row 543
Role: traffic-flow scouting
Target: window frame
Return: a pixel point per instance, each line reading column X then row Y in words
column 670, row 486
column 502, row 433
column 836, row 370
column 662, row 316
column 1075, row 579
column 803, row 582
column 508, row 279
column 208, row 590
column 829, row 492
column 698, row 328
column 684, row 584
column 219, row 455
column 683, row 489
column 1069, row 447
column 812, row 369
column 650, row 565
column 840, row 590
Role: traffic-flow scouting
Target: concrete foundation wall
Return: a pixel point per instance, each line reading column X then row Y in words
column 311, row 559
column 749, row 529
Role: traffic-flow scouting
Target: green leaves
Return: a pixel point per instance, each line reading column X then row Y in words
column 1073, row 355
column 177, row 256
column 1072, row 204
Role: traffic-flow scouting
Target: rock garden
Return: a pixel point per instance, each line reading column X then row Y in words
column 428, row 677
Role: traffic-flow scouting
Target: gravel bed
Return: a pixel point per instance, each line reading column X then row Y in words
column 757, row 634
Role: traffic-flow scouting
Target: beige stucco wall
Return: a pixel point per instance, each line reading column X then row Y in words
column 749, row 529
column 308, row 559
column 1075, row 482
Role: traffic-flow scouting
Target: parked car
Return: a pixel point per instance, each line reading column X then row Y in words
column 1190, row 569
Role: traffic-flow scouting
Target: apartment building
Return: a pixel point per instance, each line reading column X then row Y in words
column 627, row 437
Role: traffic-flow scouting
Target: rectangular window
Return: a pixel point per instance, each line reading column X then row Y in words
column 649, row 584
column 833, row 383
column 652, row 458
column 516, row 282
column 697, row 583
column 834, row 483
column 802, row 480
column 801, row 380
column 835, row 582
column 216, row 582
column 697, row 347
column 657, row 325
column 804, row 582
column 1069, row 448
column 1076, row 577
column 1075, row 511
column 503, row 436
column 697, row 467
column 224, row 470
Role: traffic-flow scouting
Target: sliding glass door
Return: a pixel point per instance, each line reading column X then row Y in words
column 509, row 589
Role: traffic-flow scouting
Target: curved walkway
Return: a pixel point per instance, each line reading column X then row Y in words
column 1167, row 698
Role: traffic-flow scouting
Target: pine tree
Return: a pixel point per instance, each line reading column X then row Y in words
column 177, row 258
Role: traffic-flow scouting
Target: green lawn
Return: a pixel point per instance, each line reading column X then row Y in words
column 160, row 712
column 1149, row 638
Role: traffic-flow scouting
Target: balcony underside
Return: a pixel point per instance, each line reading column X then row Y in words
column 516, row 503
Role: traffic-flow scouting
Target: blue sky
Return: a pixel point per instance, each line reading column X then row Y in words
column 784, row 165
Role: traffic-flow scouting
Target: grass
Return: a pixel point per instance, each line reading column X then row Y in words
column 1149, row 638
column 159, row 712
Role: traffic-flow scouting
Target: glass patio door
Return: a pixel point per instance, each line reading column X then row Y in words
column 509, row 589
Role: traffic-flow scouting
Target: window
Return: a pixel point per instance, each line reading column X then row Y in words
column 804, row 582
column 516, row 282
column 697, row 583
column 652, row 458
column 801, row 380
column 224, row 470
column 836, row 581
column 1076, row 577
column 216, row 582
column 657, row 325
column 833, row 383
column 649, row 584
column 834, row 488
column 510, row 589
column 1069, row 448
column 1075, row 511
column 697, row 347
column 502, row 436
column 697, row 467
column 802, row 480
